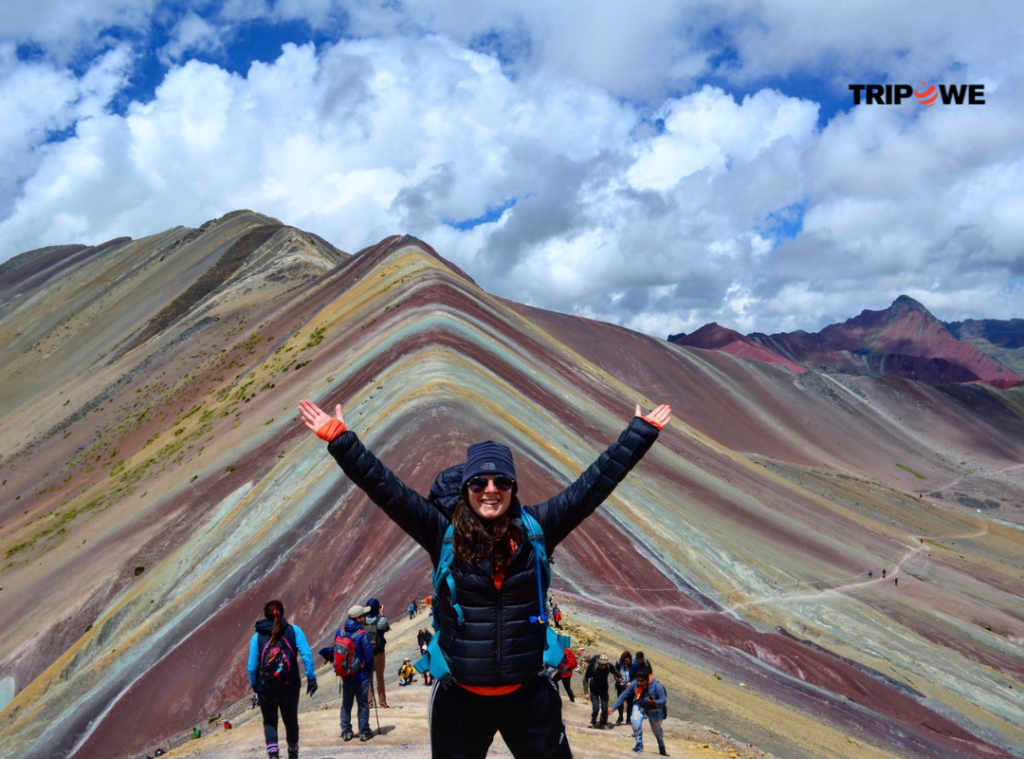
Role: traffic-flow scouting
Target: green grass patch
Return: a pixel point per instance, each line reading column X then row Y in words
column 908, row 469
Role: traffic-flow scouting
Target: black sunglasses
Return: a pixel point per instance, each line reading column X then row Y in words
column 501, row 482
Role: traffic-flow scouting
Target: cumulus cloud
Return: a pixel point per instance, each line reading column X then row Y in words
column 65, row 30
column 565, row 155
column 40, row 100
column 192, row 34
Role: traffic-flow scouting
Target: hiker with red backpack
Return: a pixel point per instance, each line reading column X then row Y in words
column 274, row 675
column 494, row 651
column 353, row 663
column 565, row 669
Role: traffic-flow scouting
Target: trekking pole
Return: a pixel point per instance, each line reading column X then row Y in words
column 376, row 714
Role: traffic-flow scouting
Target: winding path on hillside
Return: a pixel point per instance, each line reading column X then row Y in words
column 619, row 605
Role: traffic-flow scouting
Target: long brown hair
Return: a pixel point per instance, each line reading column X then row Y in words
column 476, row 539
column 275, row 610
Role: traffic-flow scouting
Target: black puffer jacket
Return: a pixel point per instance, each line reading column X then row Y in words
column 497, row 645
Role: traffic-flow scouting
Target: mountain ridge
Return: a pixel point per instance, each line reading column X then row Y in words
column 903, row 340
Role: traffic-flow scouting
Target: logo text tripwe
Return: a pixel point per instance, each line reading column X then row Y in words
column 927, row 95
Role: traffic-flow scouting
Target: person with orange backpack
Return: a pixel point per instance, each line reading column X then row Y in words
column 274, row 675
column 353, row 663
column 565, row 669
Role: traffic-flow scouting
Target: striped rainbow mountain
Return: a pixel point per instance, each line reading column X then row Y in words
column 158, row 488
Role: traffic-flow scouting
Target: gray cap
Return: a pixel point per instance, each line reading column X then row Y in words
column 357, row 611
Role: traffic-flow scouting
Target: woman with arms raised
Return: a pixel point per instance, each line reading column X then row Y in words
column 491, row 646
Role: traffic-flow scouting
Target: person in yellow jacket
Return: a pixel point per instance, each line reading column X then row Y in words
column 406, row 673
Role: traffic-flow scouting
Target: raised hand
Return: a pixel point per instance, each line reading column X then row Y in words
column 659, row 417
column 325, row 427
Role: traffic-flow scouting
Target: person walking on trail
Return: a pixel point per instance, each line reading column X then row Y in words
column 412, row 609
column 883, row 574
column 896, row 580
column 492, row 580
column 556, row 614
column 376, row 625
column 354, row 662
column 623, row 667
column 588, row 672
column 598, row 673
column 274, row 654
column 650, row 702
column 565, row 669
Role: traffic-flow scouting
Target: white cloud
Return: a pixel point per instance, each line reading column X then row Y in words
column 709, row 130
column 40, row 99
column 192, row 34
column 66, row 29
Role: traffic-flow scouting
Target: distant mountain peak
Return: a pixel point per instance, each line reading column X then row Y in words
column 713, row 336
column 906, row 302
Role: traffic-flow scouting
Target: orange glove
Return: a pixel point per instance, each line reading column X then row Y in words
column 326, row 427
column 649, row 420
column 658, row 418
column 331, row 429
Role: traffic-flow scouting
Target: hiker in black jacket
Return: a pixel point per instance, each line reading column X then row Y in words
column 595, row 682
column 494, row 652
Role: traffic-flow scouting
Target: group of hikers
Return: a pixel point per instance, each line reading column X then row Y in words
column 494, row 654
column 895, row 578
column 639, row 694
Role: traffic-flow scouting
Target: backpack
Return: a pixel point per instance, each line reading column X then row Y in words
column 570, row 660
column 346, row 663
column 377, row 641
column 434, row 660
column 278, row 664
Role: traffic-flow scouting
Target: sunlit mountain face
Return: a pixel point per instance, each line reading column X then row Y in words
column 158, row 488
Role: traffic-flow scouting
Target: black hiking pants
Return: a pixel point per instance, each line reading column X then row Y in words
column 463, row 724
column 288, row 703
column 568, row 688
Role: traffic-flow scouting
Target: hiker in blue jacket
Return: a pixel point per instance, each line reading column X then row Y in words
column 649, row 700
column 639, row 662
column 357, row 687
column 491, row 640
column 274, row 675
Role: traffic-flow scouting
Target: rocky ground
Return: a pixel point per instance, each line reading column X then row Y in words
column 403, row 732
column 403, row 728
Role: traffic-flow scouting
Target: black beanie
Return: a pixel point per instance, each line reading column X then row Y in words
column 487, row 458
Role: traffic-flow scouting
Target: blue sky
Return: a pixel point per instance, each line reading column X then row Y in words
column 658, row 166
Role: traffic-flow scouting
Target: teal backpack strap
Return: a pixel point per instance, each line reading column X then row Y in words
column 443, row 573
column 554, row 644
column 434, row 659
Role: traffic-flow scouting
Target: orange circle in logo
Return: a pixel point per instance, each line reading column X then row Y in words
column 927, row 95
